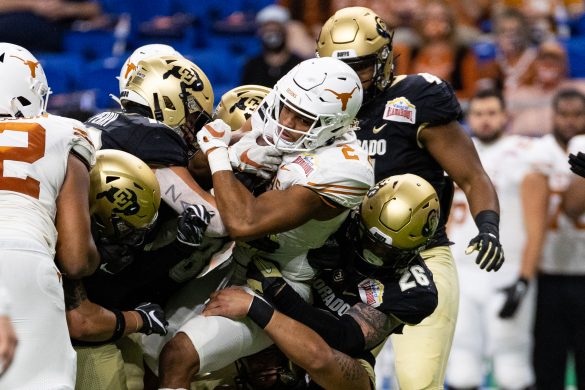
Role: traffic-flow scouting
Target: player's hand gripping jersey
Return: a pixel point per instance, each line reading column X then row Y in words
column 34, row 162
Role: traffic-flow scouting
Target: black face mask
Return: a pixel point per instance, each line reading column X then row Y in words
column 273, row 41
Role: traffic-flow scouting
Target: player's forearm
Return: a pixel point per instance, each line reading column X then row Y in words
column 178, row 188
column 535, row 197
column 237, row 206
column 481, row 195
column 343, row 334
column 328, row 368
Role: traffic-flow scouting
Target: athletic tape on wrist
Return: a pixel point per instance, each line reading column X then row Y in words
column 219, row 160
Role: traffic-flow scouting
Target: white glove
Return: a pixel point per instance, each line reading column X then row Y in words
column 247, row 156
column 216, row 134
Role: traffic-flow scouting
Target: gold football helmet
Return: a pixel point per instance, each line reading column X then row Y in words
column 174, row 90
column 360, row 38
column 124, row 196
column 397, row 218
column 238, row 104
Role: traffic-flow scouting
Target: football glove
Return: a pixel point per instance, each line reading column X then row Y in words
column 216, row 134
column 114, row 257
column 577, row 163
column 247, row 156
column 264, row 278
column 191, row 225
column 153, row 319
column 490, row 254
column 514, row 295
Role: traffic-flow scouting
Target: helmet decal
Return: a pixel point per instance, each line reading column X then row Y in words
column 125, row 200
column 344, row 97
column 32, row 65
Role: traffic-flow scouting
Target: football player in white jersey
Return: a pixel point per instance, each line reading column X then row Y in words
column 309, row 116
column 496, row 329
column 44, row 221
column 560, row 309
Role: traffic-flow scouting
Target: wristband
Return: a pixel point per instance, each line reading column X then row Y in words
column 120, row 326
column 219, row 160
column 260, row 312
column 488, row 221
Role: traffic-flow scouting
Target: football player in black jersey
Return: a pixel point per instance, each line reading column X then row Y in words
column 409, row 125
column 381, row 284
column 124, row 201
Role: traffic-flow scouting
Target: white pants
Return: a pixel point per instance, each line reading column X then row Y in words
column 220, row 341
column 481, row 336
column 45, row 359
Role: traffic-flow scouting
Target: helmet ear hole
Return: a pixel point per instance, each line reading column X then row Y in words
column 24, row 101
column 168, row 103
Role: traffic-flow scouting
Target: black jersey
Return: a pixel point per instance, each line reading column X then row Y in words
column 389, row 125
column 147, row 278
column 153, row 142
column 410, row 295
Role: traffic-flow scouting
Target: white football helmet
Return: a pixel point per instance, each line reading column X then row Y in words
column 24, row 91
column 143, row 52
column 324, row 90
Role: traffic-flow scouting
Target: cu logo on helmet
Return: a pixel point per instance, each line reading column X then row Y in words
column 125, row 201
column 372, row 191
column 188, row 77
column 246, row 104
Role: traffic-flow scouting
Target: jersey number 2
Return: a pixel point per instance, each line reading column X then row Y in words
column 13, row 148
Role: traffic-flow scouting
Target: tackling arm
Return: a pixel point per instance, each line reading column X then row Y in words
column 76, row 253
column 90, row 322
column 329, row 368
column 247, row 217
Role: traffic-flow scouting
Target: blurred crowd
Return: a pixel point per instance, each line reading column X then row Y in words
column 529, row 49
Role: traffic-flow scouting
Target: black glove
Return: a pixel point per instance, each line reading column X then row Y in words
column 153, row 318
column 264, row 278
column 114, row 257
column 490, row 253
column 514, row 295
column 192, row 224
column 577, row 163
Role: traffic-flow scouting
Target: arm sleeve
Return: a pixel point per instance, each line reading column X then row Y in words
column 343, row 334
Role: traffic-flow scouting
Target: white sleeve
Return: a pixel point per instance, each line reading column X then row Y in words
column 82, row 145
column 4, row 302
column 177, row 194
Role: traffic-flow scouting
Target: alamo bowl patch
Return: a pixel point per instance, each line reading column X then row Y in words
column 307, row 162
column 400, row 110
column 371, row 292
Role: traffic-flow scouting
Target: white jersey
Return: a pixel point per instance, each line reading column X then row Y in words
column 564, row 247
column 341, row 174
column 34, row 153
column 506, row 161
